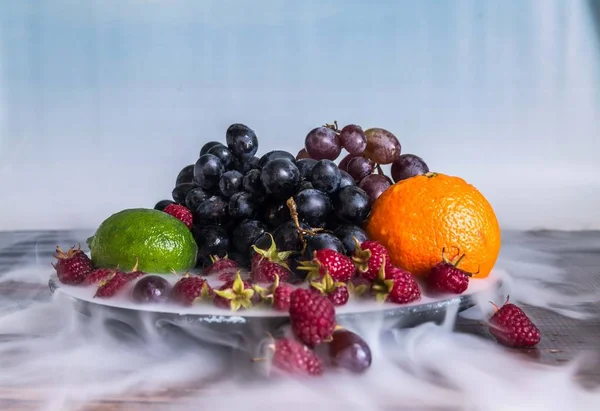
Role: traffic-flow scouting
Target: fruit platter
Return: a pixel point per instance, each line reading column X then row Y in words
column 307, row 241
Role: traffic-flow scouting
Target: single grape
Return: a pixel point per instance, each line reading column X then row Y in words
column 353, row 139
column 408, row 165
column 160, row 206
column 346, row 179
column 242, row 205
column 195, row 197
column 211, row 240
column 230, row 183
column 343, row 165
column 151, row 289
column 360, row 167
column 252, row 184
column 241, row 140
column 243, row 165
column 374, row 185
column 322, row 143
column 272, row 155
column 305, row 167
column 382, row 146
column 245, row 235
column 207, row 171
column 208, row 146
column 302, row 154
column 213, row 208
column 263, row 242
column 186, row 175
column 280, row 177
column 326, row 176
column 352, row 205
column 181, row 191
column 313, row 206
column 349, row 351
column 287, row 238
column 276, row 212
column 346, row 233
column 223, row 154
column 321, row 241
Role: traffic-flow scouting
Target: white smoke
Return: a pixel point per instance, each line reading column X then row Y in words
column 65, row 359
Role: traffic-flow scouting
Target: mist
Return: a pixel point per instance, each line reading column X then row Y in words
column 65, row 359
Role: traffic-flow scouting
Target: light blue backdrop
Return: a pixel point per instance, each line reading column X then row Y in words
column 102, row 102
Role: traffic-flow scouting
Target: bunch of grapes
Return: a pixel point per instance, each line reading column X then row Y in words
column 306, row 202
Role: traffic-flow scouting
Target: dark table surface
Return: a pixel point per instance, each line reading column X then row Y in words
column 564, row 338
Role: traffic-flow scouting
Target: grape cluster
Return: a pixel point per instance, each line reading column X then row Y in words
column 306, row 202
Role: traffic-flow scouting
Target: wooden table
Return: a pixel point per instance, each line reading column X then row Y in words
column 563, row 338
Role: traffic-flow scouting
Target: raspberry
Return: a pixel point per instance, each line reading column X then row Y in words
column 336, row 292
column 187, row 290
column 278, row 295
column 510, row 326
column 225, row 268
column 295, row 358
column 181, row 213
column 113, row 284
column 368, row 257
column 72, row 266
column 395, row 285
column 98, row 275
column 266, row 264
column 236, row 294
column 282, row 296
column 446, row 277
column 312, row 317
column 329, row 261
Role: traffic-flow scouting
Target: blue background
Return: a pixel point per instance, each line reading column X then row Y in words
column 102, row 102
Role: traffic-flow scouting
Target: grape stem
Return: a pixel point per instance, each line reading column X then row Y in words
column 294, row 215
column 333, row 126
column 380, row 170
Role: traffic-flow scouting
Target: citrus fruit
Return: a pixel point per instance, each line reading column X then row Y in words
column 418, row 218
column 159, row 242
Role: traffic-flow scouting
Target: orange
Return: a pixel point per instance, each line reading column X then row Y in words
column 417, row 218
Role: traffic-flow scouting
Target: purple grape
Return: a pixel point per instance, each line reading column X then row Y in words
column 353, row 139
column 343, row 165
column 302, row 154
column 360, row 167
column 408, row 165
column 151, row 289
column 322, row 143
column 374, row 185
column 382, row 146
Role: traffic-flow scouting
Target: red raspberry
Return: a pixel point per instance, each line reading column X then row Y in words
column 312, row 317
column 336, row 292
column 510, row 326
column 278, row 295
column 98, row 275
column 236, row 294
column 295, row 358
column 282, row 296
column 72, row 266
column 266, row 264
column 369, row 257
column 329, row 261
column 113, row 284
column 446, row 277
column 396, row 285
column 181, row 213
column 225, row 268
column 189, row 289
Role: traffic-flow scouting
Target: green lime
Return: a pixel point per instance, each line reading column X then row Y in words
column 159, row 242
